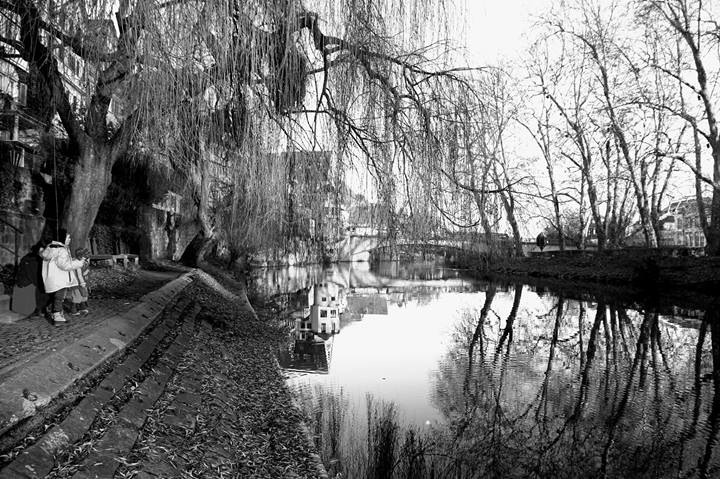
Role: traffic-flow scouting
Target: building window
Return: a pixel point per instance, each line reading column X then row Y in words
column 332, row 298
column 323, row 328
column 323, row 298
column 73, row 64
column 333, row 313
column 10, row 29
column 323, row 313
column 22, row 94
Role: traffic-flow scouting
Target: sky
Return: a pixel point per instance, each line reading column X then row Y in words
column 496, row 30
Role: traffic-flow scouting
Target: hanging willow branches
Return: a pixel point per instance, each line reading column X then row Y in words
column 248, row 72
column 214, row 90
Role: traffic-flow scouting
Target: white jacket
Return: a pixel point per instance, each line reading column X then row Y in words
column 58, row 266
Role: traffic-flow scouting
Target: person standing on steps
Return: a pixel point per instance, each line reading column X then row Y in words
column 58, row 272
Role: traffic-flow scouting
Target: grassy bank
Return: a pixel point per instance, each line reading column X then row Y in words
column 628, row 275
column 630, row 267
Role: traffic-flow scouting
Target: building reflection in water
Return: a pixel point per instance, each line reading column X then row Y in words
column 324, row 300
column 317, row 321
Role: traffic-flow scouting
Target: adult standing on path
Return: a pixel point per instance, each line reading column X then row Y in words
column 541, row 241
column 58, row 272
column 28, row 294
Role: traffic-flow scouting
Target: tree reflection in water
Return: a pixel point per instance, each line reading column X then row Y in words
column 559, row 403
column 573, row 389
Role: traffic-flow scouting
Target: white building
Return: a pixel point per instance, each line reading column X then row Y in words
column 325, row 311
column 321, row 311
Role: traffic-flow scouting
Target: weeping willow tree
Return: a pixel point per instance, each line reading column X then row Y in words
column 211, row 89
column 253, row 68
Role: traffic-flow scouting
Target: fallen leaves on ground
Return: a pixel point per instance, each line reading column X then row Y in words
column 227, row 411
column 120, row 283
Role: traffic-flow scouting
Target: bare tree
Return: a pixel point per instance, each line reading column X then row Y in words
column 693, row 26
column 597, row 32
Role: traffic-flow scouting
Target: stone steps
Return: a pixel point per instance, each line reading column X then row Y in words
column 116, row 442
column 149, row 364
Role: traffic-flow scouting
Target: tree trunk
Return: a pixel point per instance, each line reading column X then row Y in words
column 646, row 222
column 595, row 212
column 92, row 176
column 508, row 203
column 702, row 214
column 558, row 222
column 481, row 197
column 198, row 249
column 199, row 178
column 713, row 245
column 556, row 204
column 581, row 213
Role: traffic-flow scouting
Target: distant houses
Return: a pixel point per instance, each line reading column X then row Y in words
column 680, row 224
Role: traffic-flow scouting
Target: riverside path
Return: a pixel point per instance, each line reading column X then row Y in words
column 182, row 383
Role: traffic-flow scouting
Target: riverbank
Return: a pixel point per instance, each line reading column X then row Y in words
column 240, row 419
column 178, row 381
column 683, row 280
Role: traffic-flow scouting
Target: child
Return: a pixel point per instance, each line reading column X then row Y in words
column 79, row 294
column 57, row 272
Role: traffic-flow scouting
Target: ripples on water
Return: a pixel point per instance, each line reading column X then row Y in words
column 477, row 379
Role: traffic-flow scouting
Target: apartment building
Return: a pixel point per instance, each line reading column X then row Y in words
column 681, row 224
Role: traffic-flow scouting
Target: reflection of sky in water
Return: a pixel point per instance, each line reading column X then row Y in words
column 395, row 357
column 595, row 375
column 415, row 356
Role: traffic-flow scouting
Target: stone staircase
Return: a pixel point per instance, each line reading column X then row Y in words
column 102, row 422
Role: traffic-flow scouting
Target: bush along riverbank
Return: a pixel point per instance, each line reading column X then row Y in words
column 633, row 276
column 643, row 268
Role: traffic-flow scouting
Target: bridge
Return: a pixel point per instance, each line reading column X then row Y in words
column 360, row 247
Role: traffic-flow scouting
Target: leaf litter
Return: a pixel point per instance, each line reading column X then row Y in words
column 239, row 420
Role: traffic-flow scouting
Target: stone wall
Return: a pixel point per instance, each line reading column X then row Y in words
column 31, row 227
column 164, row 235
column 22, row 206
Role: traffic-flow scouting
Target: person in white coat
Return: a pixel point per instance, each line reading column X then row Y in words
column 58, row 272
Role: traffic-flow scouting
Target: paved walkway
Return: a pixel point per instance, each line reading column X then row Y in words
column 30, row 339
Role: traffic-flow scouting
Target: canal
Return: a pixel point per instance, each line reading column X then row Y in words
column 434, row 374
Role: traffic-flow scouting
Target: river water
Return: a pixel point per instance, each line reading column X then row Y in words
column 497, row 379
